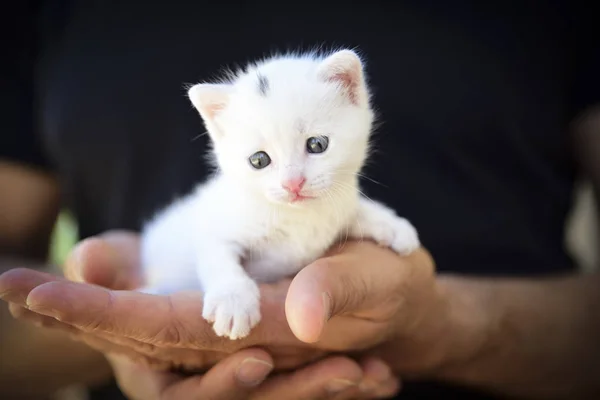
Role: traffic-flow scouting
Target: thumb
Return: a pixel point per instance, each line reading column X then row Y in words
column 353, row 282
column 110, row 260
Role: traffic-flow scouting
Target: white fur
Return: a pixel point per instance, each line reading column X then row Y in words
column 240, row 227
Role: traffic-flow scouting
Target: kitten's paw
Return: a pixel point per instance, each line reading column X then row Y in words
column 233, row 309
column 398, row 234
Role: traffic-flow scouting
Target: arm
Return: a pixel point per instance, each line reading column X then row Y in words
column 537, row 338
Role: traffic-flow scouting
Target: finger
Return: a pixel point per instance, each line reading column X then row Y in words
column 106, row 342
column 137, row 381
column 110, row 260
column 345, row 284
column 233, row 378
column 99, row 343
column 93, row 308
column 324, row 379
column 171, row 321
column 23, row 314
column 386, row 390
column 185, row 358
column 26, row 279
column 378, row 380
column 16, row 284
column 111, row 349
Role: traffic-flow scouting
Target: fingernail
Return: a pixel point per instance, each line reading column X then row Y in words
column 326, row 299
column 380, row 371
column 39, row 309
column 253, row 371
column 368, row 386
column 339, row 385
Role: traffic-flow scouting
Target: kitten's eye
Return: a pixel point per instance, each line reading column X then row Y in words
column 317, row 144
column 259, row 160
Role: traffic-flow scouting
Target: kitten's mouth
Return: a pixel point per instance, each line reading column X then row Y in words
column 295, row 198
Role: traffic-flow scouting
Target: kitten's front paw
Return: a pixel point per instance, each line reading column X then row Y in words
column 398, row 234
column 233, row 309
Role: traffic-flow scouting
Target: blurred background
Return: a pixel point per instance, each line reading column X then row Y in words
column 583, row 232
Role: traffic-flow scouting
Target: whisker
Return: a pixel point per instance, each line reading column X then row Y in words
column 198, row 136
column 359, row 174
column 348, row 186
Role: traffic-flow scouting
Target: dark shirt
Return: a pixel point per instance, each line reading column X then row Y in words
column 475, row 99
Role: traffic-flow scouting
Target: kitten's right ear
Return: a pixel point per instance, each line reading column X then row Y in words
column 345, row 68
column 209, row 99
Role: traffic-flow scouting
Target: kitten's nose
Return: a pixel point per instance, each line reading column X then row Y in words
column 294, row 185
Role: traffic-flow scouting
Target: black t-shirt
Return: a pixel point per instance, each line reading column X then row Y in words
column 475, row 98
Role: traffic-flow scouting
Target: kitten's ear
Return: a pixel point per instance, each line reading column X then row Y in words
column 210, row 99
column 345, row 68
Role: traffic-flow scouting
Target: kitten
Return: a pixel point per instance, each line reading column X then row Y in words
column 289, row 136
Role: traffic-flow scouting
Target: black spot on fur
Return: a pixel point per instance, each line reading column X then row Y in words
column 263, row 84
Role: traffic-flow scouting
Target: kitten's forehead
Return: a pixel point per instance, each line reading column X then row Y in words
column 284, row 95
column 278, row 104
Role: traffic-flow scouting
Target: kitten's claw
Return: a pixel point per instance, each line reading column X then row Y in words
column 233, row 310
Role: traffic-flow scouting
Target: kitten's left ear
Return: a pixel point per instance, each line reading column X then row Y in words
column 210, row 99
column 345, row 68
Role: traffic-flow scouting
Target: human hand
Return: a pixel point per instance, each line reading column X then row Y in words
column 367, row 307
column 243, row 375
column 111, row 261
column 95, row 255
column 364, row 299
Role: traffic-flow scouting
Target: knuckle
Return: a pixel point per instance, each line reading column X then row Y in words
column 354, row 291
column 172, row 333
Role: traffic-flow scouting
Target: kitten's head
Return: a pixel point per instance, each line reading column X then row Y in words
column 294, row 127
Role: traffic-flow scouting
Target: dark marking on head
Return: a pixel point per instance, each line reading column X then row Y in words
column 263, row 85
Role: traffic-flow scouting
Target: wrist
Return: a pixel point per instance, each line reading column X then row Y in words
column 466, row 326
column 455, row 331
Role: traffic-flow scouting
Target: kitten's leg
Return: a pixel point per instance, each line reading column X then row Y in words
column 231, row 297
column 377, row 222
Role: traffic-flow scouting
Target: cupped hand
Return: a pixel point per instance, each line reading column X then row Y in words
column 97, row 304
column 111, row 261
column 244, row 375
column 359, row 296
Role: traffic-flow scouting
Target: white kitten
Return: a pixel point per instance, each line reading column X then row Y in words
column 290, row 135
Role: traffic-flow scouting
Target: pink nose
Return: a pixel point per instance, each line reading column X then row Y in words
column 294, row 185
